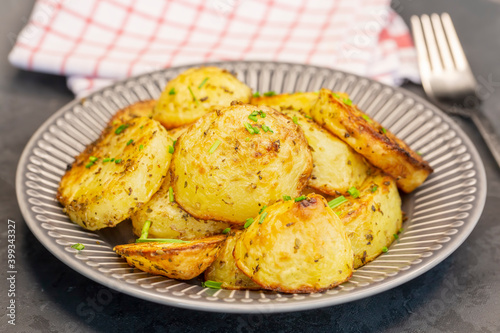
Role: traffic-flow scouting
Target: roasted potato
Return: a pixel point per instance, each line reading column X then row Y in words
column 299, row 247
column 373, row 218
column 182, row 261
column 222, row 172
column 138, row 109
column 116, row 174
column 371, row 140
column 336, row 166
column 297, row 101
column 175, row 133
column 196, row 92
column 224, row 268
column 169, row 220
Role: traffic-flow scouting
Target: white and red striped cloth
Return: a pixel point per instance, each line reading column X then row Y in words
column 94, row 42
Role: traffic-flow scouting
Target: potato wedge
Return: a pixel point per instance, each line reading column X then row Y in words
column 370, row 139
column 138, row 109
column 224, row 268
column 302, row 101
column 336, row 166
column 222, row 172
column 182, row 261
column 196, row 92
column 116, row 174
column 175, row 133
column 169, row 220
column 372, row 219
column 299, row 247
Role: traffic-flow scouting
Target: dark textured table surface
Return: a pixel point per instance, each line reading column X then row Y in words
column 462, row 294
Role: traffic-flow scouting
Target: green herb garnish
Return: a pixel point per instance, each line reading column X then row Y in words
column 266, row 128
column 203, row 82
column 353, row 192
column 212, row 284
column 337, row 202
column 384, row 130
column 93, row 159
column 347, row 101
column 252, row 117
column 129, row 142
column 374, row 188
column 141, row 147
column 121, row 128
column 171, row 194
column 302, row 197
column 385, row 249
column 287, row 197
column 172, row 91
column 269, row 93
column 107, row 159
column 171, row 149
column 226, row 231
column 256, row 94
column 249, row 128
column 145, row 229
column 194, row 97
column 214, row 146
column 248, row 223
column 262, row 217
column 368, row 119
column 88, row 165
column 78, row 246
column 262, row 209
column 118, row 161
column 295, row 120
column 160, row 240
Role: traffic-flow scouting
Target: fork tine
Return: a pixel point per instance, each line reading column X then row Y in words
column 432, row 47
column 442, row 43
column 422, row 55
column 455, row 46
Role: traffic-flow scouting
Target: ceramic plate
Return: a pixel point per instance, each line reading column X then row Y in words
column 440, row 214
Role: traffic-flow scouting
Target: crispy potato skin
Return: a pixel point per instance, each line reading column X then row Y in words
column 178, row 107
column 336, row 166
column 174, row 260
column 246, row 171
column 373, row 218
column 105, row 194
column 383, row 150
column 169, row 220
column 300, row 247
column 296, row 101
column 224, row 268
column 138, row 109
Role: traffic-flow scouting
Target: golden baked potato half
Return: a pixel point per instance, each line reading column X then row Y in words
column 232, row 162
column 296, row 247
column 373, row 218
column 116, row 174
column 224, row 268
column 336, row 166
column 169, row 220
column 175, row 133
column 301, row 101
column 138, row 109
column 195, row 92
column 182, row 261
column 370, row 139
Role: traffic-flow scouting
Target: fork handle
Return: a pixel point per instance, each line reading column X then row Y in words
column 491, row 138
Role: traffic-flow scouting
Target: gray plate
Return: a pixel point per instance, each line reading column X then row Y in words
column 441, row 213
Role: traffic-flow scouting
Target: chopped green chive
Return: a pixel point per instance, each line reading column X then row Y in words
column 308, row 117
column 118, row 161
column 226, row 231
column 256, row 130
column 396, row 236
column 214, row 146
column 203, row 82
column 337, row 202
column 302, row 197
column 266, row 128
column 269, row 93
column 336, row 95
column 107, row 159
column 129, row 142
column 248, row 223
column 256, row 94
column 172, row 91
column 113, row 159
column 142, row 126
column 262, row 114
column 249, row 128
column 145, row 229
column 385, row 249
column 353, row 192
column 252, row 117
column 170, row 194
column 88, row 165
column 419, row 153
column 78, row 246
column 384, row 130
column 93, row 158
column 212, row 284
column 247, row 139
column 194, row 97
column 121, row 128
column 347, row 101
column 374, row 188
column 141, row 147
column 160, row 240
column 171, row 149
column 262, row 217
column 368, row 119
column 287, row 197
column 262, row 209
column 400, row 230
column 295, row 120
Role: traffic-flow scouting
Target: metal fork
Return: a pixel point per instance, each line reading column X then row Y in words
column 446, row 75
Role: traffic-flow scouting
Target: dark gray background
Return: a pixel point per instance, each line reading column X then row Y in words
column 462, row 294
